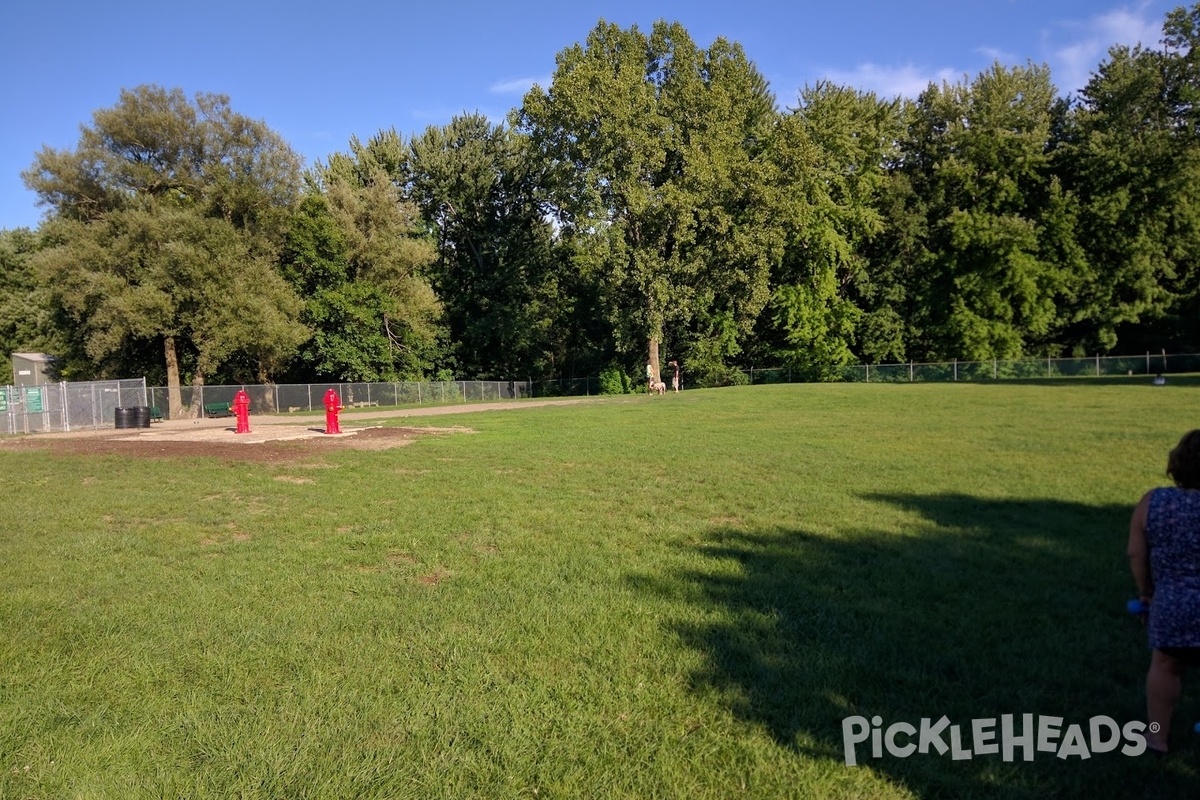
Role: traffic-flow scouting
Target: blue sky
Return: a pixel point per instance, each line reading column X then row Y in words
column 319, row 73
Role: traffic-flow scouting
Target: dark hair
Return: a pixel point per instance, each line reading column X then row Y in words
column 1183, row 464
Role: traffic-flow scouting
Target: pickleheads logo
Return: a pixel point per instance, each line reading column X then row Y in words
column 1033, row 734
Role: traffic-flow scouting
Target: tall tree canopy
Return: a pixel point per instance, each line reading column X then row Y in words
column 164, row 227
column 27, row 321
column 1133, row 157
column 831, row 154
column 986, row 275
column 359, row 254
column 654, row 151
column 652, row 197
column 477, row 187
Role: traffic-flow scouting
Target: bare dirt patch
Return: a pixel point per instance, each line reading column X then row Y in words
column 286, row 448
column 294, row 479
column 434, row 578
column 298, row 441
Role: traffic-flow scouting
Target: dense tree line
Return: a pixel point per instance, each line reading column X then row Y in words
column 652, row 202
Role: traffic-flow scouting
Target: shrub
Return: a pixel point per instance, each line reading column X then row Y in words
column 614, row 381
column 710, row 375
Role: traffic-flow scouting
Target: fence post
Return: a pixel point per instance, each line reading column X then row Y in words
column 1097, row 365
column 1147, row 362
column 956, row 369
column 910, row 372
column 1047, row 366
column 868, row 373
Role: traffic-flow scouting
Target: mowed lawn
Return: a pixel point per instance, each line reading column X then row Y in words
column 671, row 597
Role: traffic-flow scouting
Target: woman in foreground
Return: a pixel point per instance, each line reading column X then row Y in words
column 1164, row 554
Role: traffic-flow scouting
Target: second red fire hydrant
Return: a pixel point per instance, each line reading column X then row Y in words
column 241, row 410
column 333, row 404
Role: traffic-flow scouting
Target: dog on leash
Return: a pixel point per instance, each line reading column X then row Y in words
column 659, row 388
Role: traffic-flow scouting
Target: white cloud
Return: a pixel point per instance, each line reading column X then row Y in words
column 1072, row 49
column 517, row 86
column 996, row 54
column 439, row 116
column 1073, row 61
column 887, row 82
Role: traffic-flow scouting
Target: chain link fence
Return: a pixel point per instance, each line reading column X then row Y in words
column 568, row 387
column 306, row 397
column 67, row 406
column 996, row 369
column 946, row 371
column 92, row 404
column 1023, row 369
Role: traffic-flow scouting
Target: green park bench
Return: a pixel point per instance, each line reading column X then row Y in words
column 218, row 409
column 156, row 414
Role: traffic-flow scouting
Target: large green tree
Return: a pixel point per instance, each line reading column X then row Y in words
column 359, row 253
column 654, row 150
column 164, row 228
column 1133, row 157
column 990, row 263
column 831, row 155
column 497, row 269
column 27, row 319
column 172, row 277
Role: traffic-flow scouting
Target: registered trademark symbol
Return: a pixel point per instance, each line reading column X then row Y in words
column 1154, row 726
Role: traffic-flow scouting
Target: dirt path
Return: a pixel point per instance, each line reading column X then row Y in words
column 284, row 438
column 353, row 415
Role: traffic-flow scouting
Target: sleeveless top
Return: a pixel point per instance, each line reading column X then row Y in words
column 1173, row 537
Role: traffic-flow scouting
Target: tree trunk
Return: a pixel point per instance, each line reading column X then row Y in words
column 654, row 359
column 264, row 377
column 197, row 392
column 174, row 395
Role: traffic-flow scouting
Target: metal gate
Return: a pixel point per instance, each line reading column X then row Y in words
column 67, row 406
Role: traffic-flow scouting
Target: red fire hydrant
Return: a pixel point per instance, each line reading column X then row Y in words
column 333, row 404
column 241, row 410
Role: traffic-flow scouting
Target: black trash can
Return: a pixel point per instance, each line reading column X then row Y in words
column 124, row 417
column 141, row 416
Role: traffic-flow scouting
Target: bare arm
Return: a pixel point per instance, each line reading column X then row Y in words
column 1139, row 552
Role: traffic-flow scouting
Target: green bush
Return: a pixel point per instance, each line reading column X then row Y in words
column 710, row 375
column 614, row 381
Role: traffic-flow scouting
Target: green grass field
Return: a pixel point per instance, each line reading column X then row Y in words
column 673, row 597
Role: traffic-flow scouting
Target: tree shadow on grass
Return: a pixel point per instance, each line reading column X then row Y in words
column 981, row 608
